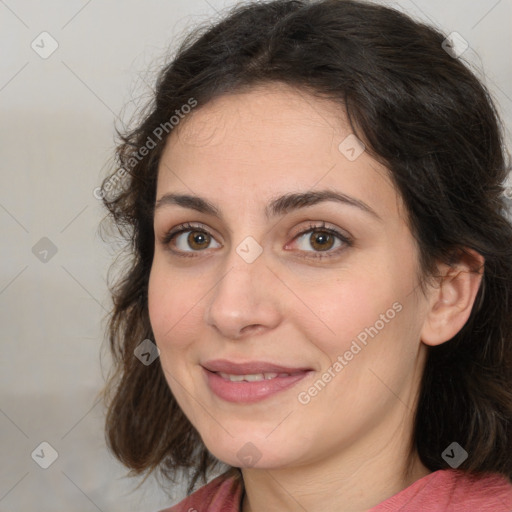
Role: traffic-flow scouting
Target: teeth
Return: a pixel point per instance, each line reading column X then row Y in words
column 254, row 377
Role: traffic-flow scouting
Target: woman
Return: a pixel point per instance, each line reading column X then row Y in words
column 322, row 261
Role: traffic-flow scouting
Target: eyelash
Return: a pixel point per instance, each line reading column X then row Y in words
column 183, row 228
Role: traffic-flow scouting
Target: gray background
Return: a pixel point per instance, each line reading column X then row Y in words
column 56, row 138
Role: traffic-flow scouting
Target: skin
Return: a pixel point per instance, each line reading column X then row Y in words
column 348, row 447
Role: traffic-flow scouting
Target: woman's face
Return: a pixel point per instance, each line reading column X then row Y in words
column 314, row 299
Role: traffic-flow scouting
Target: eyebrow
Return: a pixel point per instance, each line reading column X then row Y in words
column 278, row 206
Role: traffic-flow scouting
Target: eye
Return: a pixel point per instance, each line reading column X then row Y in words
column 322, row 240
column 187, row 238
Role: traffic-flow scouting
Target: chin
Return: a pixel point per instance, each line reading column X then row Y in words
column 251, row 451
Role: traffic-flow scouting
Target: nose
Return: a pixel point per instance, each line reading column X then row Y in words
column 244, row 300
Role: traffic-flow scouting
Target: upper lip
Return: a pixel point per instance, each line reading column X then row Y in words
column 252, row 367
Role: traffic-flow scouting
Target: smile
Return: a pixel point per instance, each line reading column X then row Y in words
column 254, row 377
column 236, row 383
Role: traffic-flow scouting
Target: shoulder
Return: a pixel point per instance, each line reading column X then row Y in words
column 453, row 491
column 221, row 494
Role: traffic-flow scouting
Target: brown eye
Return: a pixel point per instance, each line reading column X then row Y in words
column 198, row 240
column 189, row 239
column 321, row 240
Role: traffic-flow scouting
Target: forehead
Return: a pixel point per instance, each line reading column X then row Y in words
column 273, row 138
column 270, row 115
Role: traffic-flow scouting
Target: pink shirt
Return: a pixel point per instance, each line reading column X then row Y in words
column 445, row 490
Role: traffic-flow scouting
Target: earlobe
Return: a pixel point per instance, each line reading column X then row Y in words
column 452, row 300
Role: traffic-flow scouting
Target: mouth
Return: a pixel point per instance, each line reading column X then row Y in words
column 254, row 377
column 250, row 382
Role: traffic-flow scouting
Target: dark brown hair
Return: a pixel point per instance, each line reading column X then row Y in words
column 423, row 114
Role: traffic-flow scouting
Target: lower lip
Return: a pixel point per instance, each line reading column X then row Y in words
column 249, row 392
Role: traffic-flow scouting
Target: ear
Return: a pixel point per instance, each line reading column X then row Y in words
column 451, row 302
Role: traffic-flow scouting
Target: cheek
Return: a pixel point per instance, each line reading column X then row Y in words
column 173, row 312
column 173, row 304
column 367, row 317
column 342, row 309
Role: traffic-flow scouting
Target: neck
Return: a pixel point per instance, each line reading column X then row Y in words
column 345, row 481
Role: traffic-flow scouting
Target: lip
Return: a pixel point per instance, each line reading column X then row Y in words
column 249, row 392
column 225, row 366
